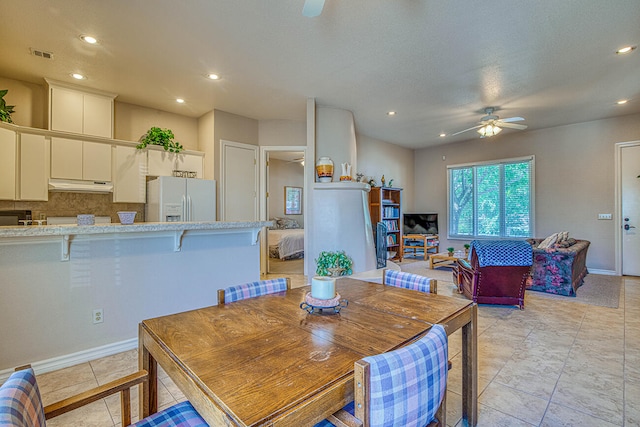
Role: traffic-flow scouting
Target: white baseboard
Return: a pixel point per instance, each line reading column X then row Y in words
column 72, row 359
column 598, row 271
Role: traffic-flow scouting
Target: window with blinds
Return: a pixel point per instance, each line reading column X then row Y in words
column 492, row 199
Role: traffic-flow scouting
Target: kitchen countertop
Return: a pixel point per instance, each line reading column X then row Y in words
column 137, row 227
column 71, row 232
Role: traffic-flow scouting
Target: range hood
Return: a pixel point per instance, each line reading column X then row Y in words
column 78, row 186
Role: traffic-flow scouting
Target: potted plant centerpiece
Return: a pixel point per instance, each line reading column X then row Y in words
column 5, row 110
column 466, row 248
column 450, row 250
column 334, row 264
column 161, row 137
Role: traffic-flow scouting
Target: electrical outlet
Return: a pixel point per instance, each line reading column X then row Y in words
column 604, row 216
column 98, row 316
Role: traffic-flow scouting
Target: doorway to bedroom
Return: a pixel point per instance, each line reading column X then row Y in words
column 284, row 182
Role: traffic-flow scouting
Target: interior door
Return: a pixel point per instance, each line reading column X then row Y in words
column 630, row 178
column 239, row 182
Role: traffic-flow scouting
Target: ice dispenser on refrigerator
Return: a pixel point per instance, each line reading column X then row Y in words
column 172, row 199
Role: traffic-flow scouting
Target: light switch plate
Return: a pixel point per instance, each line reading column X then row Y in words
column 604, row 216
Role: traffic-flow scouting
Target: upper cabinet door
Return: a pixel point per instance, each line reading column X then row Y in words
column 66, row 110
column 98, row 116
column 96, row 161
column 7, row 164
column 66, row 158
column 34, row 167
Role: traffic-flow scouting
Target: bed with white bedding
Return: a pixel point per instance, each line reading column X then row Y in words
column 286, row 244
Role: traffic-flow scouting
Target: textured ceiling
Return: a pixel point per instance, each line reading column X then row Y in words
column 437, row 63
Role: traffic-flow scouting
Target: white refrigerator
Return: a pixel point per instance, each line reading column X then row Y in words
column 171, row 199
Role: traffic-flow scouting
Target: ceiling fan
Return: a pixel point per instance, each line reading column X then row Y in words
column 491, row 125
column 312, row 8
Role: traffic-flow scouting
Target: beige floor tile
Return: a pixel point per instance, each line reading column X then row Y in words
column 562, row 416
column 513, row 402
column 489, row 417
column 581, row 393
column 93, row 415
column 66, row 377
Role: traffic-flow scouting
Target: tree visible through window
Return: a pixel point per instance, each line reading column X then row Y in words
column 492, row 199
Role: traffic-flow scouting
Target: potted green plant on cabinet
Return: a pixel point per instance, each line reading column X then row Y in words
column 334, row 264
column 161, row 137
column 5, row 110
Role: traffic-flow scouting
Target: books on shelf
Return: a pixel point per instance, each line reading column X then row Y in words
column 391, row 212
column 392, row 225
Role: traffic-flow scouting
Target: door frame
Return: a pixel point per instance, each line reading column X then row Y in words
column 618, row 201
column 263, row 202
column 223, row 171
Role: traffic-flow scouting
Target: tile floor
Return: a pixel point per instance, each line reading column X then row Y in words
column 556, row 363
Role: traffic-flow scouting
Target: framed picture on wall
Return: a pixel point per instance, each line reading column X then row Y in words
column 293, row 200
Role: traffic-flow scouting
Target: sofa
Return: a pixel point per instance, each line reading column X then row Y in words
column 559, row 269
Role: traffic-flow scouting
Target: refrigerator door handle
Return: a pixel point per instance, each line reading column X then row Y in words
column 184, row 208
column 189, row 214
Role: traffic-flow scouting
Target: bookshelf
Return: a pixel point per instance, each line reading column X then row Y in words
column 385, row 205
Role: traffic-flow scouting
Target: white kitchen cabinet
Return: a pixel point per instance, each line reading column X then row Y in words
column 129, row 181
column 84, row 160
column 8, row 159
column 34, row 155
column 163, row 163
column 79, row 111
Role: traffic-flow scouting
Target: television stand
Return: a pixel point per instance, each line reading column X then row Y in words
column 416, row 243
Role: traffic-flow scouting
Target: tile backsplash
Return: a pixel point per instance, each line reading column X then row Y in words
column 72, row 204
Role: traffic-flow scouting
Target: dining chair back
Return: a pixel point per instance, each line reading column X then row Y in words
column 401, row 388
column 21, row 403
column 402, row 279
column 253, row 289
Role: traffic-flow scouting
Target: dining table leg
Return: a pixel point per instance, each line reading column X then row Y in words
column 148, row 389
column 470, row 370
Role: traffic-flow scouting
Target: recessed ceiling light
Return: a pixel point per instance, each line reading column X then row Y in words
column 442, row 135
column 622, row 101
column 89, row 39
column 391, row 113
column 626, row 49
column 180, row 101
column 213, row 76
column 78, row 76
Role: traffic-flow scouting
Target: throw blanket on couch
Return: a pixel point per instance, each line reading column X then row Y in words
column 502, row 252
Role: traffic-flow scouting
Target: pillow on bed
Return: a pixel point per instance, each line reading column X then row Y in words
column 287, row 223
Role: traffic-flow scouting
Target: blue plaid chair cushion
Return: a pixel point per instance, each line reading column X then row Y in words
column 405, row 280
column 502, row 252
column 254, row 289
column 407, row 385
column 20, row 401
column 180, row 415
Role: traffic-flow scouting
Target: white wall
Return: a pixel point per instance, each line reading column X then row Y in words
column 46, row 305
column 574, row 178
column 282, row 132
column 377, row 158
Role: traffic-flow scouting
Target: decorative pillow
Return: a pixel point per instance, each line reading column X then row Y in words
column 562, row 236
column 549, row 241
column 287, row 223
column 275, row 223
column 567, row 243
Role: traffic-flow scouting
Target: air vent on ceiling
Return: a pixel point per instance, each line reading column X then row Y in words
column 42, row 53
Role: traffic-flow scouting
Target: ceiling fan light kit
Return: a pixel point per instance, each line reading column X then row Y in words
column 491, row 125
column 489, row 130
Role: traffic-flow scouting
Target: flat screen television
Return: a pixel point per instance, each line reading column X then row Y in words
column 419, row 223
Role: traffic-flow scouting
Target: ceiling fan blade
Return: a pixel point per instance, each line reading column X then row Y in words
column 466, row 130
column 312, row 8
column 511, row 125
column 512, row 119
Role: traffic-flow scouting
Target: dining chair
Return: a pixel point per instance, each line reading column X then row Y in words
column 401, row 388
column 21, row 404
column 402, row 279
column 253, row 289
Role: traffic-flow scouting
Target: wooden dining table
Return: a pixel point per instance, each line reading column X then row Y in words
column 265, row 361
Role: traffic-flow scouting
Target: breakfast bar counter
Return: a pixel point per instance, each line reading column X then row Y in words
column 56, row 277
